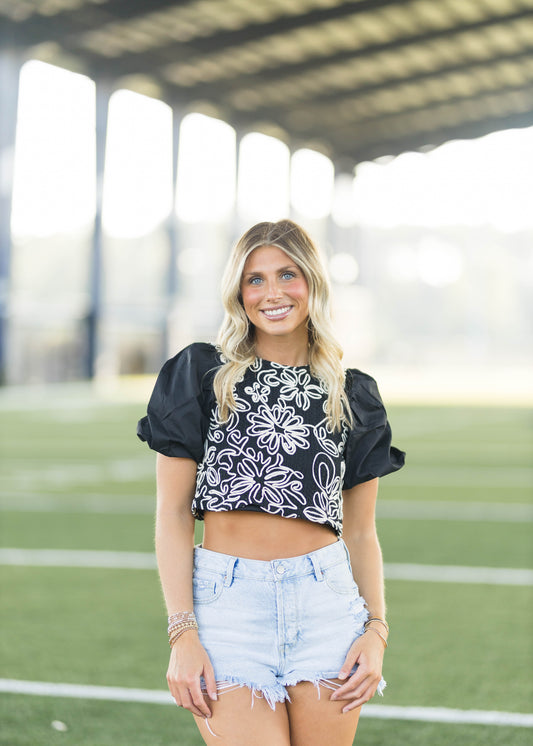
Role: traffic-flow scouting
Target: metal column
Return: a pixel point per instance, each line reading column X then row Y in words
column 103, row 94
column 10, row 65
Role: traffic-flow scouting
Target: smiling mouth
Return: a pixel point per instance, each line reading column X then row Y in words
column 275, row 313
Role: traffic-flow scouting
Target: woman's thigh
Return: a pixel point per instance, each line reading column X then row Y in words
column 315, row 720
column 235, row 722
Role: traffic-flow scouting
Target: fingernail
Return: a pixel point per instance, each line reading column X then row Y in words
column 342, row 675
column 213, row 696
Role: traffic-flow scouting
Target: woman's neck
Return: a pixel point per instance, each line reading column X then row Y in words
column 285, row 352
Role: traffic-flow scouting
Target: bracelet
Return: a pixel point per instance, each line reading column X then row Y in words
column 175, row 636
column 181, row 616
column 378, row 633
column 178, row 623
column 377, row 619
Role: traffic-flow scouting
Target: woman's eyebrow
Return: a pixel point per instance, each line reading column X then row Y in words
column 279, row 269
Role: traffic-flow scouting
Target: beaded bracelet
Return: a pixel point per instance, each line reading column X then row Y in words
column 180, row 622
column 176, row 635
column 181, row 616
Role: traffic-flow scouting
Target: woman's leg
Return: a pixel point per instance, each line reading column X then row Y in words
column 234, row 722
column 318, row 721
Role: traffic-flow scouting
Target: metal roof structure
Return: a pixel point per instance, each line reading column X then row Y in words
column 355, row 79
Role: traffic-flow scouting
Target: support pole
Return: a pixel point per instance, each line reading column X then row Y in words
column 173, row 233
column 10, row 65
column 103, row 94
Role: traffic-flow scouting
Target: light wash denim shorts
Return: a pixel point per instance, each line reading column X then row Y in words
column 267, row 625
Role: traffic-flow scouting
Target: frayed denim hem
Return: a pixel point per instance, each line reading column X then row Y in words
column 273, row 693
column 326, row 680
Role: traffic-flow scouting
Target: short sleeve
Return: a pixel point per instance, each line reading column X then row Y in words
column 368, row 452
column 180, row 405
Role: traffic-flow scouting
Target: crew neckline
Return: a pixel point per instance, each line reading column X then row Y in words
column 280, row 365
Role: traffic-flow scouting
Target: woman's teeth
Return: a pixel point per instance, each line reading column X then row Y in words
column 277, row 311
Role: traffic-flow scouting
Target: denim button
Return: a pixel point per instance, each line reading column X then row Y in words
column 280, row 569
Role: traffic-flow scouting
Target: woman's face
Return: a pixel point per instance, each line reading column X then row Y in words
column 275, row 293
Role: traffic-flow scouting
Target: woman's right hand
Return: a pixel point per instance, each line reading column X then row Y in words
column 188, row 662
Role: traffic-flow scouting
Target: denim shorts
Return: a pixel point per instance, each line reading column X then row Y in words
column 267, row 625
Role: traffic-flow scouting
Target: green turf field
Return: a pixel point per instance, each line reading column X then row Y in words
column 75, row 477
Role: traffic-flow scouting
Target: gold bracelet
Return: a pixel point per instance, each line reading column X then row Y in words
column 172, row 638
column 377, row 619
column 378, row 633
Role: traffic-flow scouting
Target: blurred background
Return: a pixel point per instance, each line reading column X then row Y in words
column 399, row 133
column 138, row 140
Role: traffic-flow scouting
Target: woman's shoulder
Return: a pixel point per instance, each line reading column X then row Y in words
column 193, row 362
column 356, row 380
column 364, row 396
column 199, row 355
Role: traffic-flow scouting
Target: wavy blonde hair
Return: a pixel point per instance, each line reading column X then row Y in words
column 236, row 336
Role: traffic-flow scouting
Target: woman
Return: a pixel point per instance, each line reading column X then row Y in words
column 270, row 441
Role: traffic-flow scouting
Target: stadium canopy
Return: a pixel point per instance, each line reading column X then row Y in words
column 354, row 79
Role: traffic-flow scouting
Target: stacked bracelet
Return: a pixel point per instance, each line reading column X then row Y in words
column 377, row 619
column 368, row 628
column 378, row 633
column 180, row 623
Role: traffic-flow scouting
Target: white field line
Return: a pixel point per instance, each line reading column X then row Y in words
column 437, row 510
column 31, row 502
column 34, row 475
column 459, row 574
column 460, row 476
column 153, row 696
column 441, row 510
column 146, row 561
column 88, row 558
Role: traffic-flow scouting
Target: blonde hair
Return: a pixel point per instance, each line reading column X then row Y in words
column 236, row 333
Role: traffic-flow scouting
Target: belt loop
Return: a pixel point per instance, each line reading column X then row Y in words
column 229, row 572
column 316, row 567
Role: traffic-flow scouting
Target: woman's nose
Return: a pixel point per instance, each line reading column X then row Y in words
column 273, row 290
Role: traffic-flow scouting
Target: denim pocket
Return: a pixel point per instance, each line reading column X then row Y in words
column 340, row 579
column 206, row 588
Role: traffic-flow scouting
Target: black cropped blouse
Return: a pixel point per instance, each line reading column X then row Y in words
column 276, row 453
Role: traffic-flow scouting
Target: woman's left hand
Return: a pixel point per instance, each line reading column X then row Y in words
column 367, row 652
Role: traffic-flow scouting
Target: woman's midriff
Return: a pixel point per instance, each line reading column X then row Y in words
column 262, row 536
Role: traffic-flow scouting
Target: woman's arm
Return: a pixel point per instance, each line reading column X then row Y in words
column 359, row 534
column 174, row 543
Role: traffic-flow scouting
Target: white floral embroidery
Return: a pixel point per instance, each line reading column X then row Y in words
column 296, row 384
column 279, row 427
column 258, row 392
column 266, row 480
column 276, row 453
column 327, row 501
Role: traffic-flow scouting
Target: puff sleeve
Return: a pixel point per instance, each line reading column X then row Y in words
column 368, row 451
column 180, row 405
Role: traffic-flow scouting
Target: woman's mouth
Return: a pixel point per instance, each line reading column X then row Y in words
column 277, row 313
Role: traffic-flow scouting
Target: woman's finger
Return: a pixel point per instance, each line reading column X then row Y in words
column 210, row 682
column 188, row 704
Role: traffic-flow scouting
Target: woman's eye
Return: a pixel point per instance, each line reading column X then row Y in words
column 255, row 280
column 288, row 275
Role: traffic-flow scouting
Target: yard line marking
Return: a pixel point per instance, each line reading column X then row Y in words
column 459, row 574
column 441, row 510
column 153, row 696
column 35, row 475
column 460, row 476
column 90, row 558
column 438, row 510
column 29, row 502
